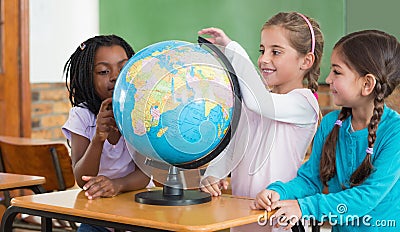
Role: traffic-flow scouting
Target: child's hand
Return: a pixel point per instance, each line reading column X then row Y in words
column 105, row 122
column 213, row 185
column 218, row 36
column 99, row 186
column 265, row 199
column 288, row 213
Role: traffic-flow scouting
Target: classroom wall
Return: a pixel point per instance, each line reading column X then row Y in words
column 180, row 19
column 241, row 20
column 56, row 30
column 371, row 14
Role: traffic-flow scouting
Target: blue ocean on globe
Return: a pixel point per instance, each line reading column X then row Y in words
column 173, row 102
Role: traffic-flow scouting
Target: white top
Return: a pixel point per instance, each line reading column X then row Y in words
column 273, row 134
column 115, row 161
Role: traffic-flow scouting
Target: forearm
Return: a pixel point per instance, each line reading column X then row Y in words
column 89, row 163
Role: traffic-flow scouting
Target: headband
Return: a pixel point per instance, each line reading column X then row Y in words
column 311, row 30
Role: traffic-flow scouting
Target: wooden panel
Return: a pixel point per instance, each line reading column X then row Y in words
column 15, row 98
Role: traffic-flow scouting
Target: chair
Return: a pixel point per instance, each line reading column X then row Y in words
column 38, row 157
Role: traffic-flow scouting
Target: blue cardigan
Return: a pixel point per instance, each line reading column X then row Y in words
column 372, row 206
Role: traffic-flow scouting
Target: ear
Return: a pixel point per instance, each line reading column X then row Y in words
column 308, row 61
column 369, row 82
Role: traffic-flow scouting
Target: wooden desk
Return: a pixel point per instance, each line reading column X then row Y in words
column 122, row 212
column 10, row 181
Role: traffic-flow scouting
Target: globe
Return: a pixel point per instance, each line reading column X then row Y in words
column 176, row 103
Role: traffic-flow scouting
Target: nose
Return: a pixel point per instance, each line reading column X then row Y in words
column 114, row 75
column 264, row 58
column 328, row 79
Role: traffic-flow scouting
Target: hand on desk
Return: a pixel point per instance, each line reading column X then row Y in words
column 287, row 212
column 213, row 185
column 99, row 186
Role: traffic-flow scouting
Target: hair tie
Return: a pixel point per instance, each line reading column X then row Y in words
column 370, row 150
column 316, row 95
column 82, row 46
column 339, row 123
column 311, row 30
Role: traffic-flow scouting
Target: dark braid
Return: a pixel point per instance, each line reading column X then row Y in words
column 78, row 71
column 367, row 52
column 365, row 169
column 327, row 167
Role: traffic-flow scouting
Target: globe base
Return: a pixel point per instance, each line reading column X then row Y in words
column 157, row 197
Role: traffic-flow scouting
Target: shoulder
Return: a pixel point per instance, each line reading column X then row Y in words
column 328, row 122
column 331, row 117
column 81, row 113
column 390, row 114
column 390, row 123
column 80, row 121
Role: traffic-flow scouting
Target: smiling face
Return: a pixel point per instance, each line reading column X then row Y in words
column 279, row 63
column 345, row 83
column 108, row 62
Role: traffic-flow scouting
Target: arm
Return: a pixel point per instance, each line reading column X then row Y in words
column 85, row 159
column 307, row 181
column 85, row 154
column 255, row 94
column 361, row 200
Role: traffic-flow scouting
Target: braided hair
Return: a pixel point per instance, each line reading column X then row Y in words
column 367, row 52
column 79, row 68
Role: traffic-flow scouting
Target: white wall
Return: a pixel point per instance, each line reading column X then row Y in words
column 57, row 27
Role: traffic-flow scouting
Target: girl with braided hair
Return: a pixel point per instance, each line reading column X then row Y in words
column 100, row 159
column 356, row 152
column 101, row 162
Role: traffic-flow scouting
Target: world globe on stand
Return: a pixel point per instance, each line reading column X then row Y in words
column 176, row 103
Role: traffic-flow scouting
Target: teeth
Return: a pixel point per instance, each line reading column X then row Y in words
column 267, row 71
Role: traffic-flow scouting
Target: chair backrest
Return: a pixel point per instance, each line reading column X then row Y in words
column 37, row 157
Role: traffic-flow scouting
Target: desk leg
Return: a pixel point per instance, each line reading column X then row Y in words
column 8, row 219
column 12, row 211
column 37, row 189
column 47, row 225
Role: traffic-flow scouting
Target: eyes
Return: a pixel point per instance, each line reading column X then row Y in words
column 273, row 52
column 336, row 70
column 104, row 70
